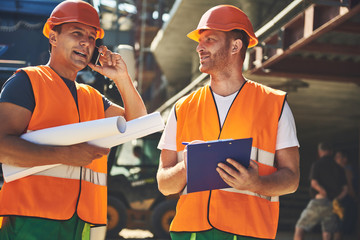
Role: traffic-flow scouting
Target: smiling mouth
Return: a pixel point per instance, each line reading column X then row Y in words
column 203, row 58
column 80, row 54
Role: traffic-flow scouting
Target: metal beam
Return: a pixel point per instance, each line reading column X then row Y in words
column 278, row 18
column 349, row 27
column 298, row 43
column 311, row 68
column 332, row 48
column 310, row 76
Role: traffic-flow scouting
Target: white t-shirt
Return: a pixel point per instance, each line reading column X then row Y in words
column 286, row 134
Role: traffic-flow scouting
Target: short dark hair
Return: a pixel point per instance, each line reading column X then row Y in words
column 243, row 36
column 325, row 146
column 57, row 28
column 343, row 153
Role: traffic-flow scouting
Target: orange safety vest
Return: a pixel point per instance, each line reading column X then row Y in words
column 61, row 191
column 255, row 113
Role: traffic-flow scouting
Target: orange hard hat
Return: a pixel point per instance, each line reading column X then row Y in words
column 225, row 18
column 74, row 11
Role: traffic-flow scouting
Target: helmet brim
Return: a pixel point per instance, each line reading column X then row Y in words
column 195, row 35
column 50, row 24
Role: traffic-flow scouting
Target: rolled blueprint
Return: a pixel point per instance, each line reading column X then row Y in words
column 136, row 128
column 108, row 132
column 77, row 132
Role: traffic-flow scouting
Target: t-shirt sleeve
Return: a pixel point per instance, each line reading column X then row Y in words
column 168, row 138
column 107, row 103
column 18, row 90
column 286, row 134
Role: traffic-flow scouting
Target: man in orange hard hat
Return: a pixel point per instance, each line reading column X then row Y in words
column 230, row 107
column 62, row 202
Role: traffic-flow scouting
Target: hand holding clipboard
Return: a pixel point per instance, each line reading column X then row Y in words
column 202, row 160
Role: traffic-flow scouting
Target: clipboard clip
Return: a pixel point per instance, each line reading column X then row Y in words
column 209, row 142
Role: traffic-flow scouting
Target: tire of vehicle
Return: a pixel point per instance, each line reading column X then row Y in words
column 116, row 217
column 161, row 218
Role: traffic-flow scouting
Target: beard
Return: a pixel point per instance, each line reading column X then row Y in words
column 217, row 61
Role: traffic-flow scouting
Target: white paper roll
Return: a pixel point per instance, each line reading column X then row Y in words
column 136, row 128
column 77, row 132
column 108, row 132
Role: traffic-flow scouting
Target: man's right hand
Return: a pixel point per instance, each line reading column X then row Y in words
column 82, row 154
column 321, row 191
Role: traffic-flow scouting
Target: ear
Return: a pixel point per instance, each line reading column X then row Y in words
column 236, row 46
column 52, row 37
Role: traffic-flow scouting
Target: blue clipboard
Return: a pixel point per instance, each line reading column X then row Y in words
column 203, row 158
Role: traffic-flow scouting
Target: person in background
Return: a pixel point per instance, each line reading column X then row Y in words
column 230, row 107
column 349, row 202
column 327, row 183
column 62, row 202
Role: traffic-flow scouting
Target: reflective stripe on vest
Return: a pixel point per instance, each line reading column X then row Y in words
column 60, row 192
column 73, row 172
column 254, row 113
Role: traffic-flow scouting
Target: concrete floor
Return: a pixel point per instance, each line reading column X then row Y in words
column 310, row 236
column 143, row 234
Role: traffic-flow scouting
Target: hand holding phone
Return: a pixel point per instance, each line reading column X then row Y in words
column 95, row 57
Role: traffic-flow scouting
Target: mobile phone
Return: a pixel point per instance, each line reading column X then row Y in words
column 95, row 57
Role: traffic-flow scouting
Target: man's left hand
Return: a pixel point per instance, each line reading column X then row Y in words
column 111, row 64
column 240, row 178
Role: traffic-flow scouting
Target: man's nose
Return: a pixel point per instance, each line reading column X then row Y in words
column 199, row 47
column 85, row 41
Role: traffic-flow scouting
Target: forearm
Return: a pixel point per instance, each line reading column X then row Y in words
column 343, row 193
column 18, row 152
column 315, row 185
column 133, row 103
column 286, row 179
column 282, row 182
column 171, row 180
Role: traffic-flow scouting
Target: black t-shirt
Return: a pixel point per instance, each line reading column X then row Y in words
column 329, row 175
column 18, row 90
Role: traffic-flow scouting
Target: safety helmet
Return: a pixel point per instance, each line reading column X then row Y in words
column 74, row 11
column 225, row 18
